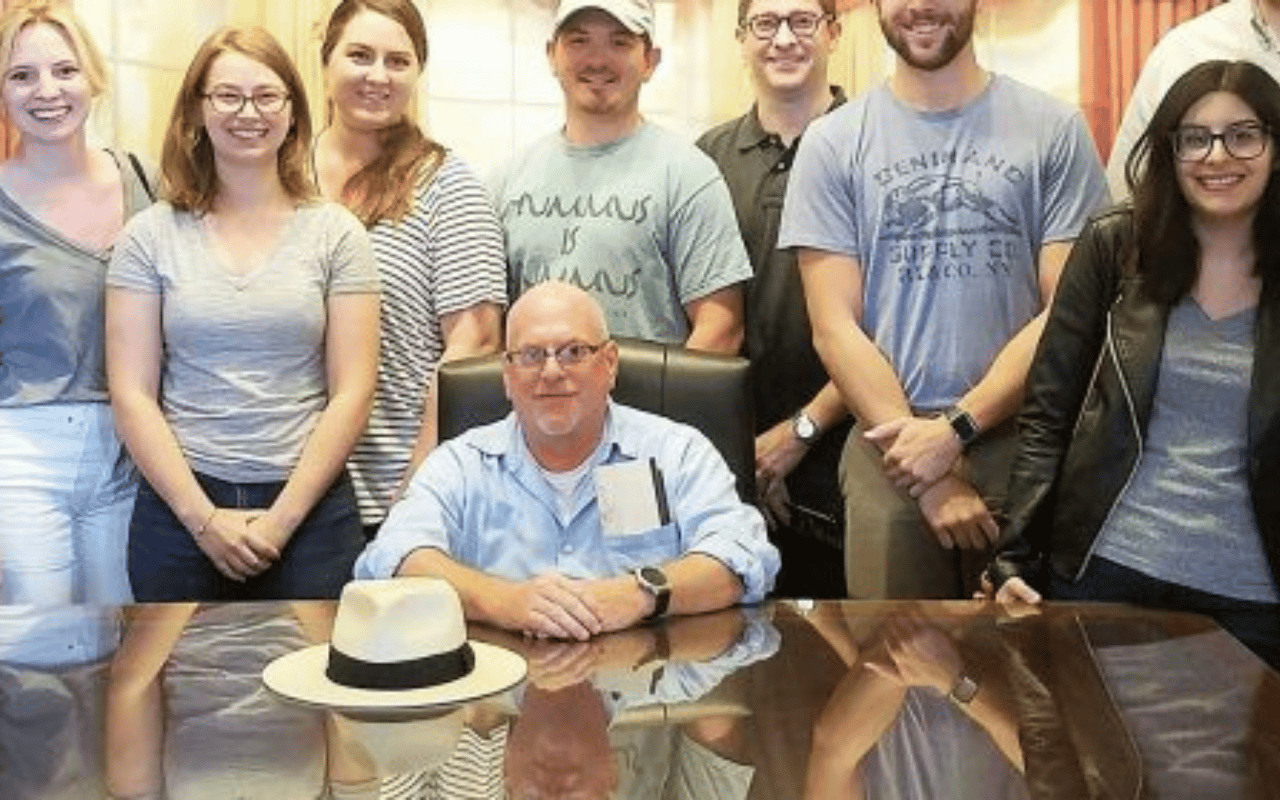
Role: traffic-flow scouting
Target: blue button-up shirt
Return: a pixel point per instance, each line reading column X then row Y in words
column 482, row 499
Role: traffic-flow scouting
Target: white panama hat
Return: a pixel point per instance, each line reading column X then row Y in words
column 398, row 645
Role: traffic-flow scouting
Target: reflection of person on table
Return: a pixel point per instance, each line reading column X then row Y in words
column 601, row 715
column 187, row 715
column 920, row 714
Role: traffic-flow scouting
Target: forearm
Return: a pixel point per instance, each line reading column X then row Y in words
column 827, row 407
column 998, row 396
column 324, row 455
column 726, row 339
column 480, row 339
column 155, row 449
column 700, row 583
column 862, row 375
column 716, row 322
column 482, row 595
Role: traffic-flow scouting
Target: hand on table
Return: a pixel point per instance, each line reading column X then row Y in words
column 551, row 606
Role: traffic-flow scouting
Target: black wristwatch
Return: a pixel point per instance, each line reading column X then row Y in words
column 654, row 581
column 962, row 423
column 805, row 429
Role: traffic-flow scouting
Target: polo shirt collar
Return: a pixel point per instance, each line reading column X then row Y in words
column 751, row 134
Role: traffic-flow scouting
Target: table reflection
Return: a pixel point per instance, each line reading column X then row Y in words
column 788, row 700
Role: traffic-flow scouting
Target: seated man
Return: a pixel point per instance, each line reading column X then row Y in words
column 510, row 513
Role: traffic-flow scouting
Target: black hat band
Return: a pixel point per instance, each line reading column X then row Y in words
column 419, row 673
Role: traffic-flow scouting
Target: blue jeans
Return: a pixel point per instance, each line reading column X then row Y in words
column 166, row 564
column 1256, row 625
column 66, row 492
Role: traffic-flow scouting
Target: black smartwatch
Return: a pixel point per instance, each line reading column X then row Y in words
column 962, row 423
column 654, row 581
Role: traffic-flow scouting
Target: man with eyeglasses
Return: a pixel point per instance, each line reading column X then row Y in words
column 931, row 217
column 575, row 515
column 1247, row 30
column 801, row 422
column 617, row 205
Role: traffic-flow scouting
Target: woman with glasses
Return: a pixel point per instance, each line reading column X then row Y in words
column 1150, row 436
column 242, row 324
column 66, row 485
column 436, row 240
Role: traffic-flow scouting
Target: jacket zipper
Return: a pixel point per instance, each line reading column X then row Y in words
column 1137, row 433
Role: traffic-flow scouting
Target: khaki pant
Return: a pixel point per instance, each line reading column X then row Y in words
column 889, row 551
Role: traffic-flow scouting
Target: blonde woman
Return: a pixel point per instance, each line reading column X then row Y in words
column 66, row 485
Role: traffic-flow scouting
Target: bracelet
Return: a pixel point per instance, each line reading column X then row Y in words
column 204, row 526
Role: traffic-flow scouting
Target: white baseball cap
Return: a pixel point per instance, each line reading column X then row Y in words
column 635, row 15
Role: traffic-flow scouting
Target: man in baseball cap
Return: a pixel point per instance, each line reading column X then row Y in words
column 630, row 212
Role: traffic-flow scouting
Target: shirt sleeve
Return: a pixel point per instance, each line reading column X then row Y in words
column 465, row 237
column 1075, row 187
column 133, row 261
column 352, row 269
column 713, row 520
column 707, row 252
column 423, row 518
column 819, row 211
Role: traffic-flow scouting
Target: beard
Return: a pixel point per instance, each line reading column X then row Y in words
column 955, row 40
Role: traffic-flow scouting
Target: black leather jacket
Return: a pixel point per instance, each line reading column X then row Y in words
column 1088, row 401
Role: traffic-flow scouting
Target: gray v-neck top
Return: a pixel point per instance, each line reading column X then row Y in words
column 1186, row 516
column 51, row 304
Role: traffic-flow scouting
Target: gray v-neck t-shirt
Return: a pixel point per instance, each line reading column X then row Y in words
column 51, row 305
column 243, row 379
column 1187, row 517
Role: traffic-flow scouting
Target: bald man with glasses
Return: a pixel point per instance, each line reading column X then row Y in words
column 575, row 515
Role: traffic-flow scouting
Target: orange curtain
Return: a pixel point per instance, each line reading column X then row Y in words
column 1115, row 37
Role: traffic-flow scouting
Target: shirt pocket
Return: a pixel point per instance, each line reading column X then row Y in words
column 652, row 547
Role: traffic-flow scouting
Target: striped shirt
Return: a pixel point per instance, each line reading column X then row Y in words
column 445, row 256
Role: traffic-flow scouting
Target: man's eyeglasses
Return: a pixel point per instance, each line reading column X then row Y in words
column 566, row 355
column 803, row 24
column 1242, row 140
column 229, row 101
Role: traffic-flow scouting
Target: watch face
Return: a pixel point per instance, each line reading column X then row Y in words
column 806, row 429
column 653, row 576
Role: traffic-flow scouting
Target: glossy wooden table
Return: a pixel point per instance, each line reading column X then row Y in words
column 790, row 700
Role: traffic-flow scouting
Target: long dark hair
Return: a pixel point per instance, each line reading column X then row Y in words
column 385, row 187
column 1165, row 251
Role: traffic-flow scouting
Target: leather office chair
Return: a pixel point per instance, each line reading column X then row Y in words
column 709, row 392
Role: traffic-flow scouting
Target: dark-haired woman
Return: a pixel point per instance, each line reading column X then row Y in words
column 242, row 339
column 437, row 242
column 1150, row 440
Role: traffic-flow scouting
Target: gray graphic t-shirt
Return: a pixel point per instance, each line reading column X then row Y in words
column 947, row 212
column 644, row 223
